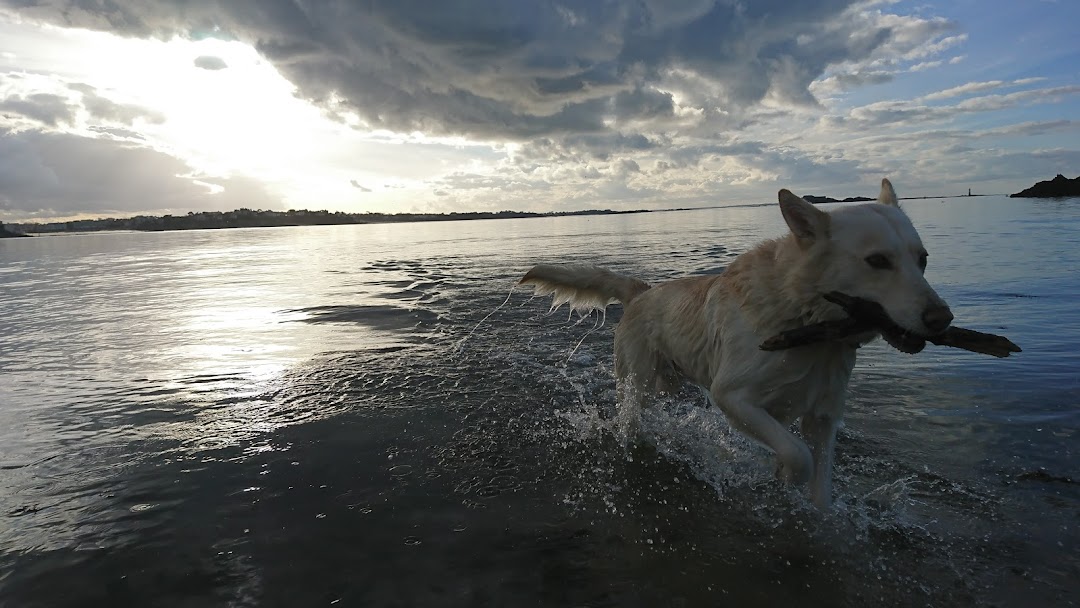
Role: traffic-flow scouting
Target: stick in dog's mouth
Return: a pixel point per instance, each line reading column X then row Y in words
column 866, row 315
column 873, row 315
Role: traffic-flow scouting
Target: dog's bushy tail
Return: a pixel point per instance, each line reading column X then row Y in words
column 585, row 288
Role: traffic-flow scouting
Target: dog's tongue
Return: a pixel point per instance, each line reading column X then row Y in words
column 904, row 342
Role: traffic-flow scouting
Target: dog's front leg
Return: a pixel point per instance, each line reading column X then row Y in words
column 792, row 454
column 820, row 433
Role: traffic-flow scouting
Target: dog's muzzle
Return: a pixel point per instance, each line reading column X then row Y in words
column 937, row 318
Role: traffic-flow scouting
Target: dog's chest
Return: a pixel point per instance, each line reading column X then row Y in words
column 811, row 381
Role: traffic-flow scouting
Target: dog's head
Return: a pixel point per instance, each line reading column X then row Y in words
column 870, row 251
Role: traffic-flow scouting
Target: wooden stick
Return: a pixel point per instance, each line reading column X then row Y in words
column 867, row 315
column 976, row 342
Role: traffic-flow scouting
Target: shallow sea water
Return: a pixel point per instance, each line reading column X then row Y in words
column 360, row 416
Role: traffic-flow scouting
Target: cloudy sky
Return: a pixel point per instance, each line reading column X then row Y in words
column 168, row 106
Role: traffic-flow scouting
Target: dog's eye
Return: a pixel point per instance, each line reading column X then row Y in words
column 878, row 261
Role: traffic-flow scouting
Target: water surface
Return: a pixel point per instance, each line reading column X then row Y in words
column 345, row 415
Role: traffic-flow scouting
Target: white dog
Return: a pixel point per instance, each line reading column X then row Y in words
column 707, row 329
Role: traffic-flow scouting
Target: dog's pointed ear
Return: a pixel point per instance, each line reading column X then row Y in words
column 807, row 222
column 888, row 195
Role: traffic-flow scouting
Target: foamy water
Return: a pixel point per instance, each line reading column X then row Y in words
column 360, row 415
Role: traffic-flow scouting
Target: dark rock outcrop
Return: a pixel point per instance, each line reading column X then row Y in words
column 1060, row 186
column 813, row 198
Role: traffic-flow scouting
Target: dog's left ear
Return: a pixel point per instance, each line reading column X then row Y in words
column 806, row 221
column 888, row 195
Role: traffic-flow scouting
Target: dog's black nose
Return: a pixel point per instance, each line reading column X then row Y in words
column 937, row 318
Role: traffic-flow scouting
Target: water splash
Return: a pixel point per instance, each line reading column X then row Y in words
column 461, row 343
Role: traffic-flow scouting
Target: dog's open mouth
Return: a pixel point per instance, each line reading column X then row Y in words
column 901, row 339
column 872, row 314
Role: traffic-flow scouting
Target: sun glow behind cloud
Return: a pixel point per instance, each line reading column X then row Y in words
column 242, row 118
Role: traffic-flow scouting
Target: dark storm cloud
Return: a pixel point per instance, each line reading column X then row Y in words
column 53, row 110
column 643, row 103
column 210, row 62
column 57, row 174
column 45, row 108
column 499, row 69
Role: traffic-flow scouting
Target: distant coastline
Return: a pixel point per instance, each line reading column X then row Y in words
column 256, row 218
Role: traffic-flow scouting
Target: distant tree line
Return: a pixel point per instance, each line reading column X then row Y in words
column 253, row 218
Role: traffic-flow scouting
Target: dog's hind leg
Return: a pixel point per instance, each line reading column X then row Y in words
column 630, row 398
column 792, row 454
column 636, row 380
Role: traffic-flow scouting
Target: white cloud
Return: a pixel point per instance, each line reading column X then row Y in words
column 964, row 89
column 925, row 65
column 977, row 87
column 915, row 112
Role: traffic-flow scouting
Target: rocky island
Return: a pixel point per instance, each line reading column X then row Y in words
column 1060, row 186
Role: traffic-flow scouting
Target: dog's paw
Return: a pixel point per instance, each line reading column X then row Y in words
column 821, row 497
column 792, row 475
column 794, row 464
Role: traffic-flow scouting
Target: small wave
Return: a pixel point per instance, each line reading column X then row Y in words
column 377, row 317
